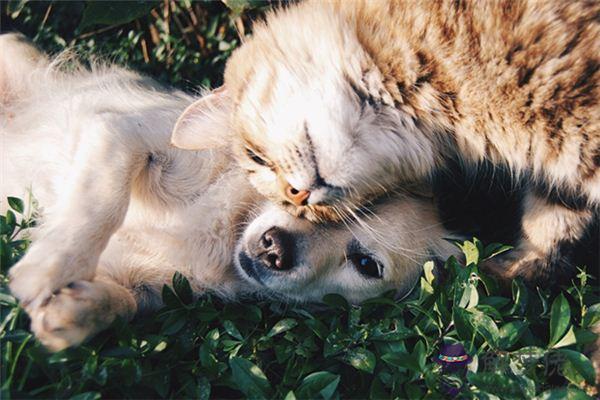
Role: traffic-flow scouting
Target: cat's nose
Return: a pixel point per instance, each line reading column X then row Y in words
column 297, row 197
column 276, row 249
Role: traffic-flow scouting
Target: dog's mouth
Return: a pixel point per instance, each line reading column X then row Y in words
column 247, row 265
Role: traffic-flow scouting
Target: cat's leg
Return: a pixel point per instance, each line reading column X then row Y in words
column 544, row 253
column 92, row 200
column 80, row 310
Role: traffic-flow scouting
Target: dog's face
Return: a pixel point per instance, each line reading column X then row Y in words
column 293, row 258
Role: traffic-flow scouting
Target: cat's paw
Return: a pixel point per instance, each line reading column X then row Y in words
column 44, row 270
column 72, row 315
column 534, row 268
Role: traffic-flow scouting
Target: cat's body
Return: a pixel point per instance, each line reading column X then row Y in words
column 337, row 103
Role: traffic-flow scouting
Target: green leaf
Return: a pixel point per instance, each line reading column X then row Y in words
column 317, row 327
column 591, row 316
column 174, row 322
column 207, row 359
column 336, row 301
column 581, row 363
column 462, row 323
column 529, row 354
column 87, row 396
column 567, row 393
column 202, row 389
column 282, row 326
column 11, row 220
column 170, row 298
column 494, row 249
column 485, row 326
column 499, row 384
column 361, row 359
column 7, row 299
column 469, row 298
column 290, row 396
column 566, row 340
column 402, row 360
column 526, row 384
column 428, row 269
column 14, row 7
column 471, row 251
column 249, row 378
column 383, row 332
column 182, row 288
column 232, row 330
column 16, row 204
column 114, row 12
column 560, row 318
column 520, row 297
column 205, row 313
column 377, row 390
column 321, row 383
column 584, row 336
column 90, row 367
column 237, row 6
column 510, row 333
column 5, row 229
column 420, row 353
column 490, row 311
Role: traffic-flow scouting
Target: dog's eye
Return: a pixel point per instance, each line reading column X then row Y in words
column 255, row 157
column 366, row 265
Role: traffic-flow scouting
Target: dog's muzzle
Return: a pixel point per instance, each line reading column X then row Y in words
column 272, row 253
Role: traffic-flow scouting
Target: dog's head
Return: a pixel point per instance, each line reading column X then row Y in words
column 384, row 250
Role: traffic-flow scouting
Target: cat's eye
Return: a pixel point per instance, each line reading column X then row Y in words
column 255, row 157
column 366, row 265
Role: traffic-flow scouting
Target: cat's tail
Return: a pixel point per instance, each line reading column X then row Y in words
column 20, row 61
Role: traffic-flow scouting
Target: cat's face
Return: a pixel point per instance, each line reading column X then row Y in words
column 313, row 148
column 291, row 258
column 322, row 138
column 322, row 148
column 313, row 123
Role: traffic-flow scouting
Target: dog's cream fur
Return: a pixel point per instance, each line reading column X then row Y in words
column 120, row 210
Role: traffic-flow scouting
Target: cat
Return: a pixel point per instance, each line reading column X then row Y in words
column 336, row 103
column 120, row 211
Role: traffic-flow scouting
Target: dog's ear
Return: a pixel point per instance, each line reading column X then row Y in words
column 205, row 123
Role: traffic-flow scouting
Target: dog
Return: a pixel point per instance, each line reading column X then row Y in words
column 120, row 210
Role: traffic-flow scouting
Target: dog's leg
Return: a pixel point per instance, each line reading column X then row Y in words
column 93, row 200
column 83, row 308
column 80, row 310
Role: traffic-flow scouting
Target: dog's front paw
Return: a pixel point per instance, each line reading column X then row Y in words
column 72, row 315
column 44, row 270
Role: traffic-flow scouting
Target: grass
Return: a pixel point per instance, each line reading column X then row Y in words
column 524, row 344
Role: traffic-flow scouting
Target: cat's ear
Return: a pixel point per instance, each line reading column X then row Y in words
column 205, row 123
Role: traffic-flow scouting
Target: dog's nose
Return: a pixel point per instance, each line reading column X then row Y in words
column 296, row 196
column 275, row 249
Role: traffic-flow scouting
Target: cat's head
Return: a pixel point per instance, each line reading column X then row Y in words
column 312, row 121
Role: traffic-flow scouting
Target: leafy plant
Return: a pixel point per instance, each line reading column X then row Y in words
column 525, row 344
column 183, row 43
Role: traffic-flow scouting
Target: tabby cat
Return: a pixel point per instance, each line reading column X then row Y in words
column 335, row 103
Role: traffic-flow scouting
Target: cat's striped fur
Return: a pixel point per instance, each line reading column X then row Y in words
column 347, row 100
